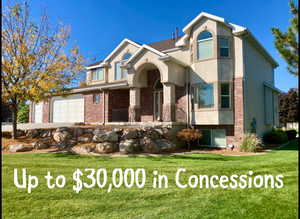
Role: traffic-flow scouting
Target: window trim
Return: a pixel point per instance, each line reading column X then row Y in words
column 229, row 47
column 211, row 130
column 94, row 98
column 203, row 40
column 96, row 71
column 230, row 95
column 122, row 61
column 196, row 96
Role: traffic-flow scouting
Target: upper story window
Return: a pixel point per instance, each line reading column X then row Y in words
column 204, row 95
column 225, row 95
column 121, row 73
column 98, row 74
column 205, row 45
column 224, row 47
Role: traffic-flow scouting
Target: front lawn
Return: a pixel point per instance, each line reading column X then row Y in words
column 148, row 202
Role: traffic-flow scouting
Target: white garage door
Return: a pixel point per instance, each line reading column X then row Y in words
column 70, row 109
column 38, row 112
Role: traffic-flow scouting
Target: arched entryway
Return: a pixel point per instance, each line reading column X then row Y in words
column 146, row 97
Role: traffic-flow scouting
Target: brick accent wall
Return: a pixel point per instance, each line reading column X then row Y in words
column 238, row 102
column 46, row 111
column 118, row 104
column 93, row 112
column 180, row 114
column 147, row 99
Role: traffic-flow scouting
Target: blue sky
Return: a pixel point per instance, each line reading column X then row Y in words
column 99, row 26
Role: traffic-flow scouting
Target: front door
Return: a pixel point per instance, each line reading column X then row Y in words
column 158, row 100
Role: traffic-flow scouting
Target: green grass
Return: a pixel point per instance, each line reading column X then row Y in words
column 148, row 202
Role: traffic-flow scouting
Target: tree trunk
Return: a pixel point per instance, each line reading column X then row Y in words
column 14, row 121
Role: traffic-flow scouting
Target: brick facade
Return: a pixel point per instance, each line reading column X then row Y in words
column 117, row 105
column 93, row 112
column 147, row 98
column 238, row 103
column 180, row 113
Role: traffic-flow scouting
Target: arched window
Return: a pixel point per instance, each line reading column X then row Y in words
column 126, row 56
column 121, row 73
column 205, row 45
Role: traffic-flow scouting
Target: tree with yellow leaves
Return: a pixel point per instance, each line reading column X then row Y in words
column 35, row 65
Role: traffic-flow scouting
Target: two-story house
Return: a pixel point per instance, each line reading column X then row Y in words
column 216, row 77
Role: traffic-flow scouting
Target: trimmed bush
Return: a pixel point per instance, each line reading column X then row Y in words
column 291, row 134
column 250, row 143
column 275, row 137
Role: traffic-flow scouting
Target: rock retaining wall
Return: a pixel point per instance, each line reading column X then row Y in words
column 83, row 140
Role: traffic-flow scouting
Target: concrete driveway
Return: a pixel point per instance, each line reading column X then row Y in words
column 7, row 127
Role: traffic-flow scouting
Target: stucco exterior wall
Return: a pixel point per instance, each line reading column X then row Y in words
column 257, row 70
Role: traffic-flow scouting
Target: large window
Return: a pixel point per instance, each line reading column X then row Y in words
column 225, row 95
column 98, row 74
column 204, row 95
column 121, row 73
column 213, row 138
column 205, row 45
column 224, row 47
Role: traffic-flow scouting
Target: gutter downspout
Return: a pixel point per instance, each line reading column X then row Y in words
column 188, row 98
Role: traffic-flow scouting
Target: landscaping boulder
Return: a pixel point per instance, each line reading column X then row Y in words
column 61, row 136
column 153, row 133
column 97, row 131
column 129, row 146
column 82, row 149
column 156, row 146
column 42, row 144
column 84, row 139
column 109, row 136
column 78, row 132
column 106, row 147
column 19, row 148
column 46, row 133
column 149, row 146
column 65, row 144
column 131, row 134
column 62, row 129
column 32, row 133
column 165, row 145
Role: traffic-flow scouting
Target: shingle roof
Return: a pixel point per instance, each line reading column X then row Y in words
column 95, row 63
column 159, row 45
column 164, row 44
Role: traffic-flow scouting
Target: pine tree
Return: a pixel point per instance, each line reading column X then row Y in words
column 287, row 43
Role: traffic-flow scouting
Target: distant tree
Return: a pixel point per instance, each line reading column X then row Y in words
column 23, row 113
column 287, row 43
column 288, row 106
column 34, row 62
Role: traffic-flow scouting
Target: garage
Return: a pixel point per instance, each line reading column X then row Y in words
column 69, row 109
column 38, row 112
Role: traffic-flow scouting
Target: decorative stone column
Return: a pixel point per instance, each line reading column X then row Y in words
column 134, row 111
column 169, row 102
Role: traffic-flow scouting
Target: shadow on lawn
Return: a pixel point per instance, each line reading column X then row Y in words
column 291, row 146
column 184, row 157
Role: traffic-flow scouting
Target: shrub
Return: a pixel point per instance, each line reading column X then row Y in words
column 291, row 134
column 189, row 135
column 250, row 143
column 275, row 137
